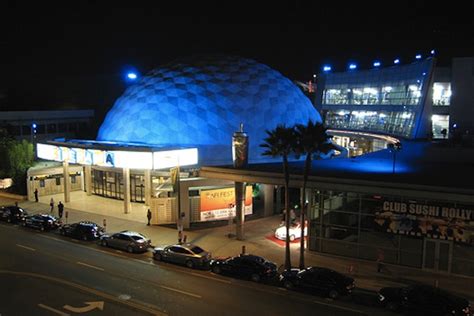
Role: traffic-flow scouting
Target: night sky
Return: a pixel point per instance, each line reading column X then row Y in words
column 74, row 54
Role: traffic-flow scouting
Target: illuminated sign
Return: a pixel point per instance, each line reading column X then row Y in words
column 118, row 158
column 220, row 203
column 173, row 158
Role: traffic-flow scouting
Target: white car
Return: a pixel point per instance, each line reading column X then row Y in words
column 295, row 232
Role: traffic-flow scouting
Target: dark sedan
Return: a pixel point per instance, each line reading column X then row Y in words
column 41, row 221
column 187, row 254
column 251, row 267
column 318, row 280
column 12, row 214
column 423, row 300
column 83, row 230
column 126, row 240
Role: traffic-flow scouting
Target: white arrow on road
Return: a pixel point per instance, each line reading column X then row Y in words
column 90, row 306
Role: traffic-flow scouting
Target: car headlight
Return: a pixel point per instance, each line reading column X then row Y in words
column 381, row 297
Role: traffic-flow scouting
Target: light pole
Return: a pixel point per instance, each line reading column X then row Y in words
column 394, row 148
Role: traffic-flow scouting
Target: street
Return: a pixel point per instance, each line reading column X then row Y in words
column 47, row 274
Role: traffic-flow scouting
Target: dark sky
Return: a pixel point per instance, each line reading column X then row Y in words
column 73, row 54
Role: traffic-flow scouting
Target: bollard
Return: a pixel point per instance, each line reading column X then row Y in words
column 184, row 239
column 243, row 249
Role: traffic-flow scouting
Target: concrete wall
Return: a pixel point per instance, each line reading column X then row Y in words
column 462, row 100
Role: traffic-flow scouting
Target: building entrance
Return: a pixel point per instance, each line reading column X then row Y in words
column 437, row 255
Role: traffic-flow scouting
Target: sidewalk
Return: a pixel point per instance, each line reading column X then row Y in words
column 216, row 241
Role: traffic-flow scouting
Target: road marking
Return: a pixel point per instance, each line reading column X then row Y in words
column 211, row 278
column 153, row 310
column 179, row 291
column 53, row 310
column 89, row 307
column 340, row 307
column 29, row 248
column 90, row 266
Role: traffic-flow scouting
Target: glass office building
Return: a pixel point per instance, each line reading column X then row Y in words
column 387, row 101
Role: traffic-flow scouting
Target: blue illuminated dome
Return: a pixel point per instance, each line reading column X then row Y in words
column 200, row 102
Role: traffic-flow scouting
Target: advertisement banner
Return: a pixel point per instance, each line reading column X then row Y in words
column 427, row 220
column 219, row 204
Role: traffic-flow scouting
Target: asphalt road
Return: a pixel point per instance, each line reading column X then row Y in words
column 47, row 274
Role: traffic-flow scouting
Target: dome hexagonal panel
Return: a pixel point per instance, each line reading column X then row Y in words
column 200, row 102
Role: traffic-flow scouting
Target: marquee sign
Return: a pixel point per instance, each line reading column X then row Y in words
column 119, row 158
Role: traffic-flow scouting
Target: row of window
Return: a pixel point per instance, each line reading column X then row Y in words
column 395, row 123
column 50, row 128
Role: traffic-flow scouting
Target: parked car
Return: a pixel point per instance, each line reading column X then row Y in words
column 187, row 254
column 318, row 280
column 83, row 230
column 295, row 232
column 12, row 214
column 245, row 266
column 41, row 221
column 126, row 240
column 424, row 300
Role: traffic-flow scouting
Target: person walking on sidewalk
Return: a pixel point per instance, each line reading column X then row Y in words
column 60, row 209
column 36, row 195
column 148, row 215
column 51, row 204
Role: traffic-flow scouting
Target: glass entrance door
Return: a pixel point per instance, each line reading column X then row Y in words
column 437, row 255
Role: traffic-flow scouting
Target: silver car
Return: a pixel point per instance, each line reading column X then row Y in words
column 126, row 240
column 188, row 254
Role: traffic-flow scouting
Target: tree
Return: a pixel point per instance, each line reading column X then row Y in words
column 281, row 142
column 20, row 158
column 311, row 139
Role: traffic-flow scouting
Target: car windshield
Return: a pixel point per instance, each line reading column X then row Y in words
column 197, row 249
column 135, row 237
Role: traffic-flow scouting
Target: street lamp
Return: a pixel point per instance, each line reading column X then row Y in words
column 394, row 148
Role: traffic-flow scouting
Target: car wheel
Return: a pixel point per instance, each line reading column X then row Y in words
column 62, row 232
column 292, row 238
column 42, row 228
column 288, row 285
column 9, row 220
column 393, row 306
column 103, row 242
column 255, row 277
column 333, row 294
column 130, row 249
column 190, row 264
column 23, row 224
column 158, row 256
column 84, row 238
column 216, row 269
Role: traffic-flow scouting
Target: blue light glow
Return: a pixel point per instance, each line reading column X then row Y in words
column 352, row 66
column 132, row 76
column 326, row 68
column 200, row 102
column 433, row 52
column 396, row 61
column 418, row 56
column 377, row 63
column 33, row 125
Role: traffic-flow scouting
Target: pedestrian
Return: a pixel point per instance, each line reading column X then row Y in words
column 148, row 215
column 292, row 216
column 180, row 230
column 380, row 260
column 36, row 195
column 51, row 204
column 60, row 209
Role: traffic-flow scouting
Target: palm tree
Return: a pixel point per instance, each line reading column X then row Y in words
column 281, row 142
column 311, row 139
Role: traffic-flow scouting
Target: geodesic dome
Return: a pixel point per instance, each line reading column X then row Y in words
column 200, row 102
